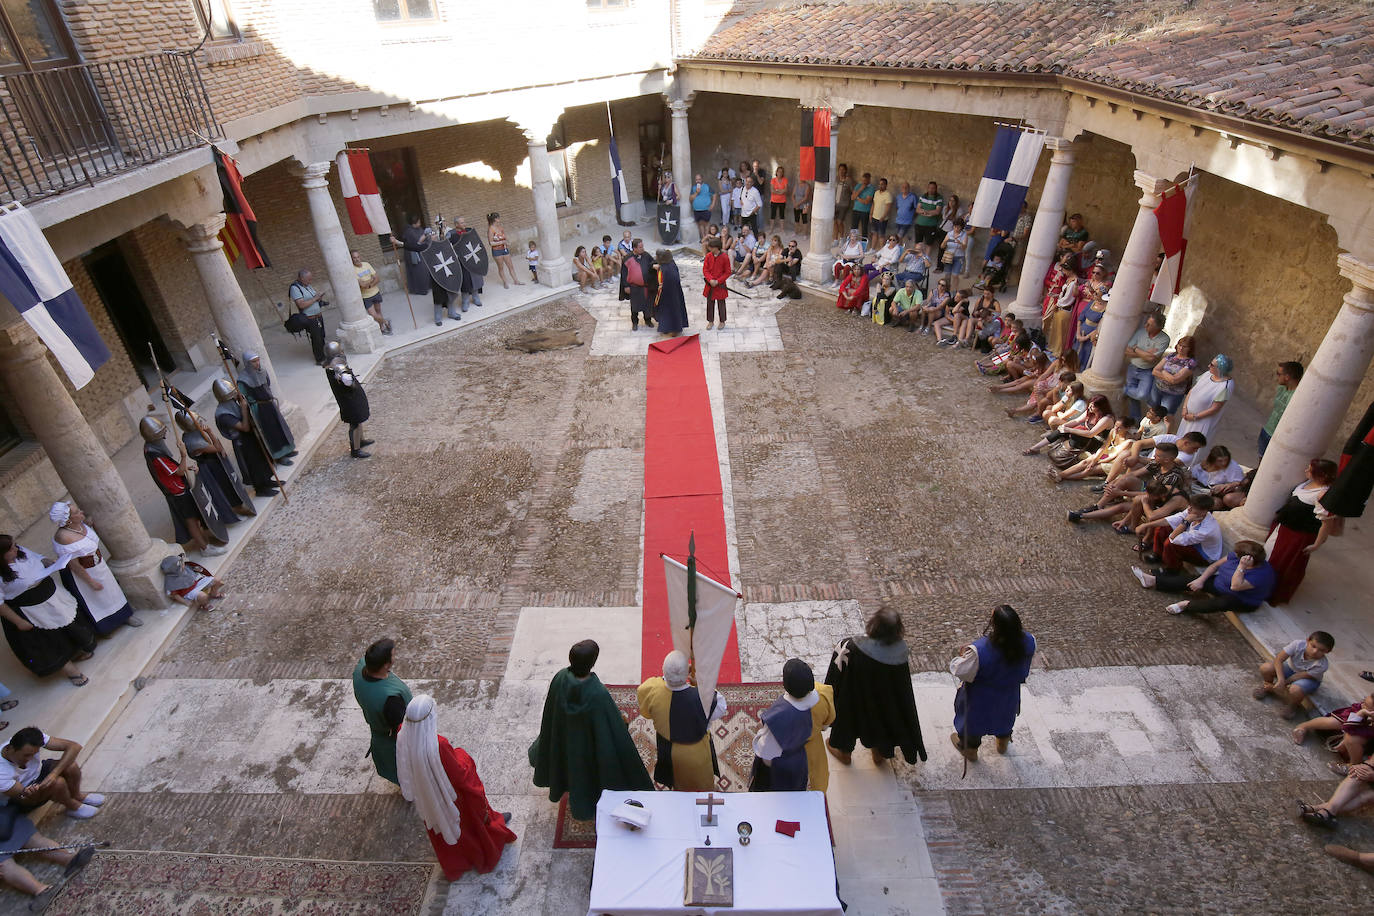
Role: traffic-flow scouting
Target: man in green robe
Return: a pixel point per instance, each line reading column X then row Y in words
column 584, row 746
column 383, row 698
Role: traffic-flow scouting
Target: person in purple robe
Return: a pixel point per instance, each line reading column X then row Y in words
column 992, row 670
column 780, row 746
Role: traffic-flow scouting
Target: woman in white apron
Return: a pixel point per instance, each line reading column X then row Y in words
column 87, row 573
column 39, row 615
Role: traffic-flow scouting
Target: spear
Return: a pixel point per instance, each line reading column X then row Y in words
column 692, row 599
column 227, row 357
column 171, row 395
column 405, row 287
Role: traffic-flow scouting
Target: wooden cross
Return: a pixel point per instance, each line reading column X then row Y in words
column 710, row 818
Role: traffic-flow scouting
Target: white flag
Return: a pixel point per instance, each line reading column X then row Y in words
column 715, row 616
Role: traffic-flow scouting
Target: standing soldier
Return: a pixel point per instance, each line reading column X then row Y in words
column 256, row 386
column 232, row 420
column 349, row 394
column 188, row 522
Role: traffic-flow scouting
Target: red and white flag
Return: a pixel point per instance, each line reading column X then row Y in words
column 360, row 193
column 1172, row 215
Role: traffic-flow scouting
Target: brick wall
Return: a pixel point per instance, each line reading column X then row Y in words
column 171, row 287
column 100, row 400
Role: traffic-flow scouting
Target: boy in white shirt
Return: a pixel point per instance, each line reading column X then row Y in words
column 532, row 257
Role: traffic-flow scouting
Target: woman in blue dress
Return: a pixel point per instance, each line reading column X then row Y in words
column 1086, row 337
column 992, row 669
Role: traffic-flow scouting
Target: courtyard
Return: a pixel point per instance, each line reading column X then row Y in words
column 501, row 519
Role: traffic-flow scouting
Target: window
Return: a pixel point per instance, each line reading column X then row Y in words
column 402, row 10
column 215, row 15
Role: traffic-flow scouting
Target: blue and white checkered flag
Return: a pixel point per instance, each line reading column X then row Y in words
column 1011, row 166
column 33, row 280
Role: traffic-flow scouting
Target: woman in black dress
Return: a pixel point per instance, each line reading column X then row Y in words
column 39, row 615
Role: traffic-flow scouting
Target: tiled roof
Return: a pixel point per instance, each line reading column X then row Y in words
column 1304, row 67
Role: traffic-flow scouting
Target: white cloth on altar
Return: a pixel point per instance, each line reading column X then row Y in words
column 640, row 873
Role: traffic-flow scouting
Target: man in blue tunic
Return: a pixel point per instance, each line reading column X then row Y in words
column 780, row 746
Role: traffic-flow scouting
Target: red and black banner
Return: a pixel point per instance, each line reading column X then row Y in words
column 240, row 232
column 815, row 145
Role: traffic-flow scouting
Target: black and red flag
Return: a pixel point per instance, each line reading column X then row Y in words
column 240, row 232
column 815, row 144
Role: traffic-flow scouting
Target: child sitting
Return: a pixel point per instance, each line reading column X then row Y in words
column 1296, row 672
column 189, row 583
column 1155, row 422
column 1355, row 724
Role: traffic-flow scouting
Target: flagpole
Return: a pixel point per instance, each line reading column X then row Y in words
column 692, row 600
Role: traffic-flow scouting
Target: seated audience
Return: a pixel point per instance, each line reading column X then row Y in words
column 1239, row 582
column 1296, row 672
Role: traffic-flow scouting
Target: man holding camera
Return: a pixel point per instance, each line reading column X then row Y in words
column 310, row 305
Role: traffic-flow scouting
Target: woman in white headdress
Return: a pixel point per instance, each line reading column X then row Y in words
column 88, row 575
column 441, row 780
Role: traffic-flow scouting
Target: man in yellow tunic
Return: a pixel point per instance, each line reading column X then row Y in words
column 822, row 714
column 686, row 758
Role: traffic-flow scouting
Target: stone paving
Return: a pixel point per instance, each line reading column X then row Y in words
column 501, row 518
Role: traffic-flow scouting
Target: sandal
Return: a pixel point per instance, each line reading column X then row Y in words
column 78, row 680
column 1320, row 817
column 8, row 705
column 1030, row 451
column 1367, row 675
column 1140, row 547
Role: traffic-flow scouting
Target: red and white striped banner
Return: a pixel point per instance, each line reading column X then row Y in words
column 1172, row 215
column 360, row 193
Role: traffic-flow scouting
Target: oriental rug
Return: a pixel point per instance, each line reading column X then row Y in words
column 174, row 883
column 733, row 737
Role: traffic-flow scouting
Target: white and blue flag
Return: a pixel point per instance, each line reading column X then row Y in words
column 33, row 280
column 622, row 193
column 1011, row 166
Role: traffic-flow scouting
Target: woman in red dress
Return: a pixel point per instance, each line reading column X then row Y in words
column 441, row 780
column 1300, row 526
column 854, row 289
column 716, row 270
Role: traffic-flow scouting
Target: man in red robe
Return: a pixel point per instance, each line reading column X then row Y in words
column 441, row 780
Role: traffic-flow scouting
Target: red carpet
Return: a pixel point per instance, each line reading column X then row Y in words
column 682, row 492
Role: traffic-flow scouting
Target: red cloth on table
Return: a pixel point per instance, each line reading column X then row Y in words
column 484, row 831
column 789, row 828
column 1289, row 562
column 716, row 267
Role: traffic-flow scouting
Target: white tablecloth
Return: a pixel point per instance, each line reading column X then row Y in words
column 640, row 873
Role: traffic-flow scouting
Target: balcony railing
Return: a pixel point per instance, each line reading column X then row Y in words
column 71, row 126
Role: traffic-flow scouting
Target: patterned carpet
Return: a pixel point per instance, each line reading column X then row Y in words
column 169, row 884
column 733, row 737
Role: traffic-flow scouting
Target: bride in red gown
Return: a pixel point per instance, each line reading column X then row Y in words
column 441, row 781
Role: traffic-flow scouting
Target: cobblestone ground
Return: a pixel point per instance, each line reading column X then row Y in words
column 868, row 466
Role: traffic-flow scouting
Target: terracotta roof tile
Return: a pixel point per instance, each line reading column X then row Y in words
column 1307, row 67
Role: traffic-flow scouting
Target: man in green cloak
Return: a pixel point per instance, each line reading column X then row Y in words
column 383, row 698
column 584, row 746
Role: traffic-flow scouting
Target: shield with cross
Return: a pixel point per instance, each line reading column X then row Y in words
column 471, row 251
column 669, row 223
column 444, row 266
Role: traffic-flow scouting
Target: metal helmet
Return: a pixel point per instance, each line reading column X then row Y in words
column 338, row 362
column 224, row 390
column 186, row 420
column 333, row 349
column 151, row 428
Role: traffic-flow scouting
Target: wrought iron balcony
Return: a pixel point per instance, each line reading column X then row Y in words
column 70, row 126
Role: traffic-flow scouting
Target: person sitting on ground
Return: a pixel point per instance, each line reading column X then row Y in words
column 24, row 836
column 189, row 583
column 1192, row 536
column 934, row 308
column 1233, row 495
column 1238, row 582
column 853, row 294
column 955, row 311
column 599, row 265
column 1141, row 452
column 851, row 252
column 582, row 268
column 626, row 246
column 1161, row 479
column 1355, row 723
column 1355, row 792
column 883, row 298
column 906, row 306
column 1072, row 405
column 1038, row 376
column 788, row 266
column 1216, row 470
column 744, row 249
column 1296, row 672
column 29, row 782
column 772, row 257
column 1008, row 352
column 984, row 313
column 1089, row 429
column 1057, row 391
column 1154, row 423
column 612, row 255
column 1094, row 465
column 987, row 327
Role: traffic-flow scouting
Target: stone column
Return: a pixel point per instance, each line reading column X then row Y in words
column 818, row 262
column 1108, row 373
column 1320, row 402
column 554, row 269
column 233, row 316
column 81, row 462
column 1044, row 235
column 357, row 331
column 682, row 165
